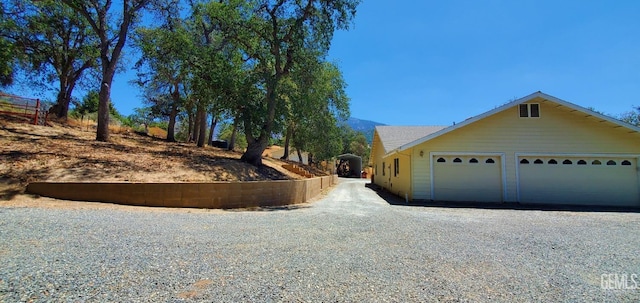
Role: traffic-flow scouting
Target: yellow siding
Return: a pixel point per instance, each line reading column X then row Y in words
column 377, row 152
column 558, row 130
column 398, row 183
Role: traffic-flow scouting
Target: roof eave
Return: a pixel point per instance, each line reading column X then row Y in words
column 509, row 105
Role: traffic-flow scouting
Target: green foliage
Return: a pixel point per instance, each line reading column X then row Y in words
column 226, row 129
column 89, row 105
column 632, row 117
column 57, row 46
column 8, row 54
column 316, row 102
column 276, row 38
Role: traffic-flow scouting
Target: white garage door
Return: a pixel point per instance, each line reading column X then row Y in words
column 578, row 180
column 467, row 178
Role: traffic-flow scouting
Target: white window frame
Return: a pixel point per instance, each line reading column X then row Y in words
column 528, row 105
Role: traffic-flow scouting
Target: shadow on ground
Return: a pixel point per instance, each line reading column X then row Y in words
column 270, row 208
column 395, row 200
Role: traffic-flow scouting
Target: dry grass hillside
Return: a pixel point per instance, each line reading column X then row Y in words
column 69, row 153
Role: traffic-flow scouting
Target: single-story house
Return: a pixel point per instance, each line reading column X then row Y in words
column 538, row 149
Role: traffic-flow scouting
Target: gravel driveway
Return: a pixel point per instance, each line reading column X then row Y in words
column 349, row 246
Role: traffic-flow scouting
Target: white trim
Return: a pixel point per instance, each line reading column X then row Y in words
column 570, row 155
column 512, row 104
column 529, row 111
column 431, row 193
column 503, row 165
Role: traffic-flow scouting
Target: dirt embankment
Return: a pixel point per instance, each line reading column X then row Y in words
column 31, row 153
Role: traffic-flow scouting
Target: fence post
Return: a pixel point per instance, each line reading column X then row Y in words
column 35, row 116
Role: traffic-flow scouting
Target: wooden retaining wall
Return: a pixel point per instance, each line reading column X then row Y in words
column 197, row 195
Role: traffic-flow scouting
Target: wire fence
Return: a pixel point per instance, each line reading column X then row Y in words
column 34, row 110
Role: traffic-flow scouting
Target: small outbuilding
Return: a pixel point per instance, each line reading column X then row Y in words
column 537, row 149
column 349, row 165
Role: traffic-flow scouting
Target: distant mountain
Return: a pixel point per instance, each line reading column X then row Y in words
column 364, row 126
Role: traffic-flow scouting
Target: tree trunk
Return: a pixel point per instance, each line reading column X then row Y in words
column 190, row 127
column 196, row 125
column 234, row 135
column 62, row 101
column 256, row 146
column 202, row 132
column 253, row 154
column 171, row 129
column 212, row 129
column 299, row 156
column 102, row 133
column 310, row 158
column 286, row 142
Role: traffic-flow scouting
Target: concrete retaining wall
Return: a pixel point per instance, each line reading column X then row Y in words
column 198, row 195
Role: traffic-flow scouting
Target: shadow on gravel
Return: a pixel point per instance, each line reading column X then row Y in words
column 270, row 208
column 395, row 200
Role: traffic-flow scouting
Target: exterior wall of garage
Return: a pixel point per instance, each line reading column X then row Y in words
column 558, row 130
column 377, row 154
column 398, row 181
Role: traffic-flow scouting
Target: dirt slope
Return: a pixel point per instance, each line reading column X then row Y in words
column 61, row 153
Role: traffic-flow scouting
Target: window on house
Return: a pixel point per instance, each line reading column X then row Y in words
column 441, row 160
column 457, row 160
column 376, row 169
column 626, row 162
column 582, row 162
column 552, row 161
column 596, row 162
column 534, row 110
column 396, row 166
column 524, row 161
column 567, row 161
column 490, row 161
column 538, row 161
column 611, row 162
column 529, row 110
column 524, row 110
column 383, row 166
column 473, row 160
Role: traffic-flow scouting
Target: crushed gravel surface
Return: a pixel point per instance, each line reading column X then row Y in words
column 349, row 246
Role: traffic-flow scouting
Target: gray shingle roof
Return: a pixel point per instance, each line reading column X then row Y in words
column 393, row 137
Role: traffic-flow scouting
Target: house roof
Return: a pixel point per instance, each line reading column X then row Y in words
column 561, row 103
column 392, row 137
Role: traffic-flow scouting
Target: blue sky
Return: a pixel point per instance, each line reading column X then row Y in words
column 436, row 62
